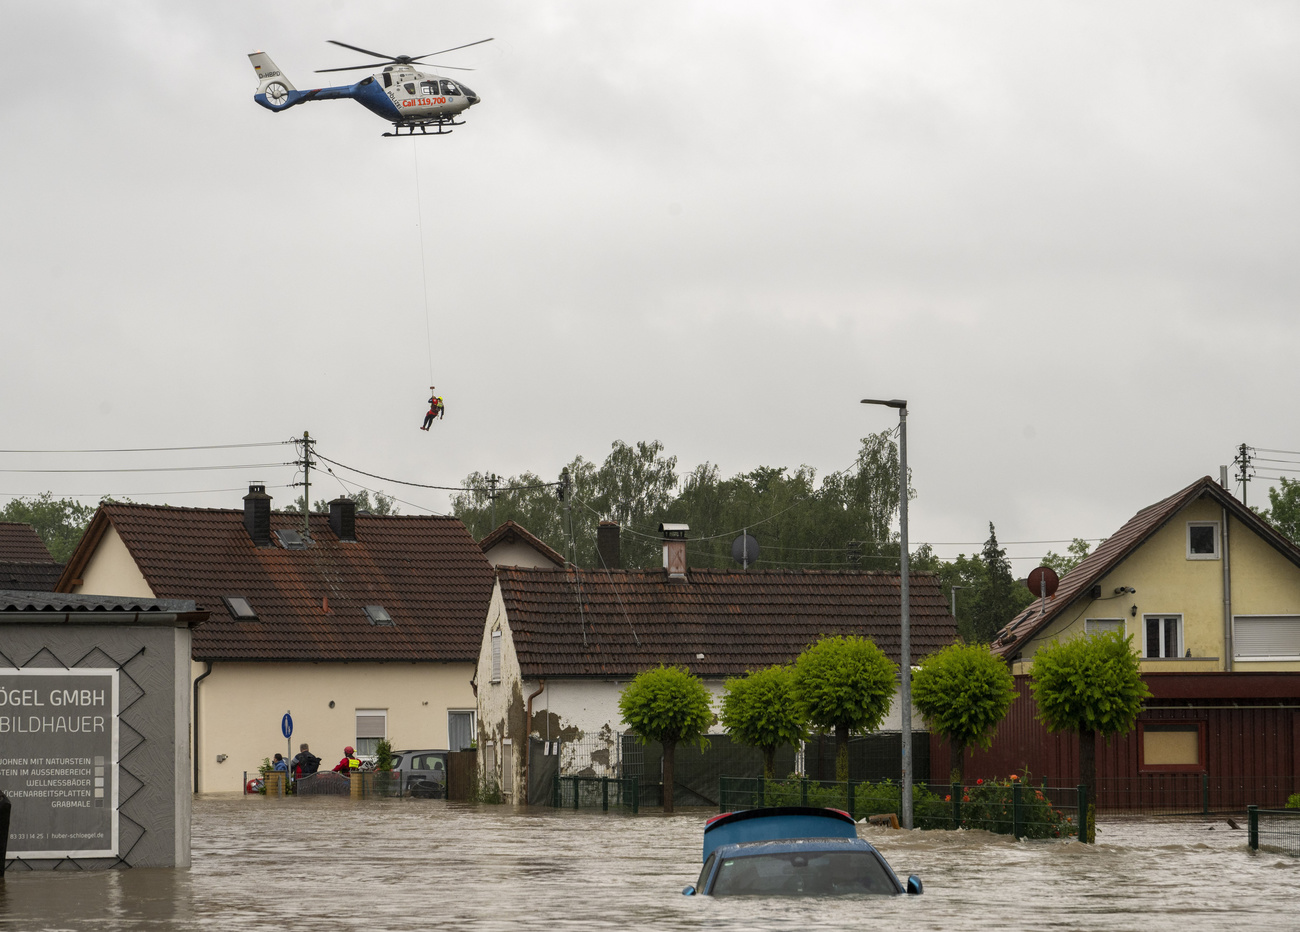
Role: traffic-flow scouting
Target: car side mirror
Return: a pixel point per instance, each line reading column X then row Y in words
column 688, row 890
column 914, row 884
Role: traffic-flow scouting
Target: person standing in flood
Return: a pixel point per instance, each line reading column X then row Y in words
column 349, row 763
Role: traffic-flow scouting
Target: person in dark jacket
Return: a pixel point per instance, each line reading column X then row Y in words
column 305, row 762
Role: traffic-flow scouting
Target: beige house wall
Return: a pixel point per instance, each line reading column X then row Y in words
column 111, row 570
column 1263, row 582
column 241, row 706
column 516, row 553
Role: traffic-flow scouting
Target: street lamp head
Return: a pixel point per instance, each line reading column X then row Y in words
column 893, row 403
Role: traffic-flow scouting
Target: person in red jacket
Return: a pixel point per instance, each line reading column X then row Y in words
column 349, row 763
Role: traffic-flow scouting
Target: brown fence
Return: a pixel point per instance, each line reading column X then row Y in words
column 462, row 775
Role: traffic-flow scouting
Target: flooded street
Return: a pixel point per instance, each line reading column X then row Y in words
column 408, row 864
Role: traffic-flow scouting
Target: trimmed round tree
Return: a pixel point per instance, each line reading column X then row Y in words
column 759, row 710
column 1089, row 685
column 846, row 684
column 668, row 705
column 963, row 693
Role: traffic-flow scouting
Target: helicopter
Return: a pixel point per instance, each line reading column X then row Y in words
column 422, row 104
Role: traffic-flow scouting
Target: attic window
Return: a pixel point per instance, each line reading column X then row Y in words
column 1202, row 540
column 291, row 540
column 239, row 607
column 378, row 616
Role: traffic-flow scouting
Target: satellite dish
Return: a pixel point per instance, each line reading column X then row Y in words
column 744, row 550
column 1040, row 575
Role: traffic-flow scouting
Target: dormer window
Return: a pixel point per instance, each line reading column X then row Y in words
column 239, row 608
column 378, row 616
column 1202, row 540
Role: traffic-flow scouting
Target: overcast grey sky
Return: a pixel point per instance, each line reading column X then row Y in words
column 1065, row 232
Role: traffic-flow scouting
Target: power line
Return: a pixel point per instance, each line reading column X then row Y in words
column 129, row 494
column 422, row 485
column 152, row 468
column 218, row 446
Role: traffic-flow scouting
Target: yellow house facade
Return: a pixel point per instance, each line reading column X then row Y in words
column 1199, row 582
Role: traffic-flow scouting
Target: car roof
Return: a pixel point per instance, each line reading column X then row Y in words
column 788, row 846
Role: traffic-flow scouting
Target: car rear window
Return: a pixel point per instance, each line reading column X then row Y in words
column 803, row 873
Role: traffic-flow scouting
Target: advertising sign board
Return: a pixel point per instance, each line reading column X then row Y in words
column 58, row 761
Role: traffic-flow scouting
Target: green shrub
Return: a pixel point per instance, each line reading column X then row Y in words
column 1293, row 801
column 988, row 805
column 383, row 755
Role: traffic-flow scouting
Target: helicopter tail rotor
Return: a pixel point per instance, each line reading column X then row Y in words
column 272, row 85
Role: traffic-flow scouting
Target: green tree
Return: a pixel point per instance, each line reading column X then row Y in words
column 997, row 597
column 1089, row 685
column 759, row 710
column 845, row 683
column 1073, row 556
column 381, row 504
column 963, row 692
column 1284, row 508
column 668, row 705
column 58, row 522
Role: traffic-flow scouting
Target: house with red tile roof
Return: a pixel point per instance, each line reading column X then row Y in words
column 25, row 563
column 360, row 626
column 513, row 544
column 559, row 645
column 1209, row 592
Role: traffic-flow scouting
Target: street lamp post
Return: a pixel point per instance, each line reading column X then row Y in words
column 954, row 600
column 905, row 645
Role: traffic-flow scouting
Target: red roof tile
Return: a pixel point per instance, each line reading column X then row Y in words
column 427, row 572
column 1076, row 583
column 19, row 543
column 619, row 622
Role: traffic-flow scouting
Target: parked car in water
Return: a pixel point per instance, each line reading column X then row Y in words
column 424, row 773
column 792, row 851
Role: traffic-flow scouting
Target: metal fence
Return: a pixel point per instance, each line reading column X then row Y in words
column 1171, row 794
column 1007, row 807
column 1274, row 829
column 575, row 792
column 326, row 783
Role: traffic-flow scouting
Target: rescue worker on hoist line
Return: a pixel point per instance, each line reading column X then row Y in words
column 349, row 764
column 436, row 409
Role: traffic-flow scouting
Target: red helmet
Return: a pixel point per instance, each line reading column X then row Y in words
column 349, row 750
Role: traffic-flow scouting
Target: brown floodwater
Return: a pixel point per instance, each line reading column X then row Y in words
column 340, row 865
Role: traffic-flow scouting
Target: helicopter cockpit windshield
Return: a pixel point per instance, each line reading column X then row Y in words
column 451, row 89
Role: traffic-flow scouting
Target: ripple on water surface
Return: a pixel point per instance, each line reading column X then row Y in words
column 423, row 865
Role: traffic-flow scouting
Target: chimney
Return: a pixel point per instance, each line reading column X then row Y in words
column 343, row 518
column 257, row 514
column 674, row 536
column 607, row 545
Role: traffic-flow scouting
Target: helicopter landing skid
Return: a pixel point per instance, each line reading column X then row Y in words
column 431, row 128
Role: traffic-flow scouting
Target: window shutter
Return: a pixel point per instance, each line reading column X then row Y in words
column 372, row 723
column 1272, row 637
column 496, row 656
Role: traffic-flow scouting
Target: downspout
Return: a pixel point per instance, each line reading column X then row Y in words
column 199, row 679
column 1227, row 600
column 528, row 733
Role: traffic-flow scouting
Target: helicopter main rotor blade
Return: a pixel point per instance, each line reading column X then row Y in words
column 443, row 52
column 381, row 64
column 357, row 48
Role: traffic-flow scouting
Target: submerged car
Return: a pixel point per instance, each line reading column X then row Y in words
column 424, row 773
column 792, row 851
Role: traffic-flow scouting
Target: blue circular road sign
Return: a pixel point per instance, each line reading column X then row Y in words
column 286, row 725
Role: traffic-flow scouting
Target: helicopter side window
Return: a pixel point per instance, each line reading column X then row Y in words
column 450, row 88
column 429, row 87
column 410, row 88
column 388, row 79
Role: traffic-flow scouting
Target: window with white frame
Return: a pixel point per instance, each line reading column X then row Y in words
column 1266, row 637
column 490, row 761
column 1103, row 625
column 1202, row 540
column 460, row 729
column 496, row 656
column 372, row 727
column 1162, row 636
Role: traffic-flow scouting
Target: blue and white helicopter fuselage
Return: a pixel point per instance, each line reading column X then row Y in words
column 409, row 99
